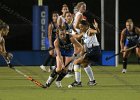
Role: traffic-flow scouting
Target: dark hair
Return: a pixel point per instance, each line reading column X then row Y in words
column 84, row 22
column 3, row 25
column 55, row 12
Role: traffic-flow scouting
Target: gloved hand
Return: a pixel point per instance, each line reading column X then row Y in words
column 9, row 56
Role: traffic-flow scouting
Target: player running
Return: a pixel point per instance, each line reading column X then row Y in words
column 64, row 47
column 92, row 53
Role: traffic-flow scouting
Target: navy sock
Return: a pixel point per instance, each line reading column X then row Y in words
column 61, row 76
column 124, row 63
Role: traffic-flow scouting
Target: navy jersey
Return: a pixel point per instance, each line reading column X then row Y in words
column 54, row 30
column 131, row 38
column 69, row 27
column 66, row 47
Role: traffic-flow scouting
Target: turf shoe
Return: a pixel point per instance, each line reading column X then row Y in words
column 92, row 83
column 43, row 68
column 124, row 71
column 58, row 84
column 75, row 84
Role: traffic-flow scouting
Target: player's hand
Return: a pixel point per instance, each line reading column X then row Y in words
column 9, row 56
column 51, row 52
column 122, row 50
column 95, row 24
column 63, row 66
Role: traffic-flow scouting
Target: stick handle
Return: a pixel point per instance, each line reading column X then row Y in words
column 108, row 58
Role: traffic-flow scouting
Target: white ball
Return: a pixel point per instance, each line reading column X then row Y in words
column 69, row 86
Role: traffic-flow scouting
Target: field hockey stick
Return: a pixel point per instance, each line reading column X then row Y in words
column 110, row 57
column 61, row 70
column 21, row 73
column 49, row 49
column 29, row 78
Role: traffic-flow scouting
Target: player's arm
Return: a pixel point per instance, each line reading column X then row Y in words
column 76, row 25
column 50, row 34
column 138, row 32
column 2, row 49
column 122, row 38
column 6, row 55
column 59, row 22
column 96, row 30
column 78, row 47
column 78, row 36
column 137, row 29
column 57, row 50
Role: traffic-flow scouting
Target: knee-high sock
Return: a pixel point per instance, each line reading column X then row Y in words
column 47, row 60
column 52, row 63
column 89, row 72
column 61, row 76
column 52, row 76
column 124, row 63
column 77, row 71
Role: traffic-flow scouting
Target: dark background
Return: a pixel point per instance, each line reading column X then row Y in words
column 18, row 14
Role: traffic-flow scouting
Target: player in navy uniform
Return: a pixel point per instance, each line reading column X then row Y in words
column 4, row 29
column 64, row 47
column 129, row 38
column 52, row 30
column 61, row 18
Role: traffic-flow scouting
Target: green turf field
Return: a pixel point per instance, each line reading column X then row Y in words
column 112, row 85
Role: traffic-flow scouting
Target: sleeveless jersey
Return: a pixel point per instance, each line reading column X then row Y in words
column 90, row 41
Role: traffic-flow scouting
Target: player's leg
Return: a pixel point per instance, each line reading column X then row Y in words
column 138, row 54
column 89, row 72
column 63, row 73
column 93, row 55
column 54, row 73
column 43, row 66
column 77, row 71
column 125, row 56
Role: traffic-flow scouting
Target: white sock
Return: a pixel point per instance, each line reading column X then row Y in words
column 77, row 73
column 49, row 80
column 52, row 67
column 70, row 66
column 89, row 72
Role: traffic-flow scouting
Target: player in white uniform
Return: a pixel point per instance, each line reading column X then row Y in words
column 81, row 8
column 92, row 53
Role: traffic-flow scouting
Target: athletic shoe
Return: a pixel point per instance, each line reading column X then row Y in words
column 124, row 71
column 58, row 84
column 10, row 65
column 68, row 75
column 47, row 85
column 92, row 83
column 76, row 84
column 43, row 68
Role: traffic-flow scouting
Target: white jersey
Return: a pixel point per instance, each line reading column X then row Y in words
column 75, row 18
column 90, row 41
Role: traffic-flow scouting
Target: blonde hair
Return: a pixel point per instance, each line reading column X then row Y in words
column 79, row 4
